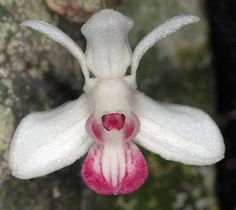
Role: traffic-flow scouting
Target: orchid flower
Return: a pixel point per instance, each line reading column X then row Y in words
column 112, row 115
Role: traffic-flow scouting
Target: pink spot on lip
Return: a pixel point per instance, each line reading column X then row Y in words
column 93, row 129
column 113, row 121
column 129, row 130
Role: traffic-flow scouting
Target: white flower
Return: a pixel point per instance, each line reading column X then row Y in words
column 112, row 115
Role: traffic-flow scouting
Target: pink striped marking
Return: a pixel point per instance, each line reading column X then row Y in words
column 135, row 176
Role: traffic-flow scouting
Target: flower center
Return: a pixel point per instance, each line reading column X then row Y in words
column 128, row 127
column 113, row 121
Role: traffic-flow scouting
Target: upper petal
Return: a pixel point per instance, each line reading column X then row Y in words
column 168, row 27
column 47, row 141
column 108, row 52
column 59, row 36
column 179, row 133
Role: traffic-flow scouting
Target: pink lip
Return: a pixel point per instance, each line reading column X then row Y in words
column 136, row 172
column 123, row 160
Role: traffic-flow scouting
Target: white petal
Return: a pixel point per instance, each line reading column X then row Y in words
column 168, row 27
column 179, row 133
column 108, row 52
column 60, row 37
column 47, row 141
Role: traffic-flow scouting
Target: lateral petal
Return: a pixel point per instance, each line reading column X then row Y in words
column 177, row 132
column 47, row 141
column 59, row 36
column 168, row 27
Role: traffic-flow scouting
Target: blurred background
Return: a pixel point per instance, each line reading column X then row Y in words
column 195, row 66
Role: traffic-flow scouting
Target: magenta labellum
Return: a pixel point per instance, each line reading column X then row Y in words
column 114, row 165
column 116, row 169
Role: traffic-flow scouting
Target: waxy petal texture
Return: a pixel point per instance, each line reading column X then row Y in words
column 178, row 133
column 114, row 169
column 166, row 28
column 108, row 53
column 47, row 141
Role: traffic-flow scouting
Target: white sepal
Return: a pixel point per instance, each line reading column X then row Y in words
column 108, row 52
column 59, row 36
column 168, row 27
column 178, row 133
column 47, row 141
